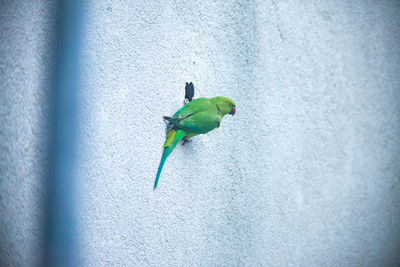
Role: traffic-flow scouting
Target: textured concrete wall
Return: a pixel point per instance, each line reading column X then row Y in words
column 25, row 54
column 305, row 174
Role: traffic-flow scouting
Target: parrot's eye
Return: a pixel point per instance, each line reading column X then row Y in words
column 230, row 104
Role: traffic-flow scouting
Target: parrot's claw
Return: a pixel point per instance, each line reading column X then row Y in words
column 185, row 140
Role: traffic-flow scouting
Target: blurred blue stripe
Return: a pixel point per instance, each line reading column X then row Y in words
column 60, row 228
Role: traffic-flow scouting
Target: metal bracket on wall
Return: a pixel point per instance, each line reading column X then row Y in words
column 189, row 93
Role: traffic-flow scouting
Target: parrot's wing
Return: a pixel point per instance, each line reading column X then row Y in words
column 172, row 121
column 200, row 123
column 197, row 106
column 194, row 107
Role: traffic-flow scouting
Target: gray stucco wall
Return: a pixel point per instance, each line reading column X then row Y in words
column 305, row 174
column 25, row 56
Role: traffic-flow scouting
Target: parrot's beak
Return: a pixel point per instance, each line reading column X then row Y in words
column 233, row 111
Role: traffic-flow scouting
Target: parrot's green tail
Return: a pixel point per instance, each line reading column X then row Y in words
column 167, row 150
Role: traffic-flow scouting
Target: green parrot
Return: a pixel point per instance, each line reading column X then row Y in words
column 197, row 117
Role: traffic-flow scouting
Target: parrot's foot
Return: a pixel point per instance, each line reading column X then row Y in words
column 185, row 101
column 185, row 140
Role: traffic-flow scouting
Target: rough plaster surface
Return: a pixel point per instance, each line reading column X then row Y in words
column 25, row 54
column 305, row 174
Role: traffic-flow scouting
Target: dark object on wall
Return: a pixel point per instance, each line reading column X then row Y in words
column 189, row 91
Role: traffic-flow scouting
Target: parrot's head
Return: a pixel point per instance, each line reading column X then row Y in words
column 225, row 105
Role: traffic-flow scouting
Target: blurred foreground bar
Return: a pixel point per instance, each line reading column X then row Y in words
column 60, row 230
